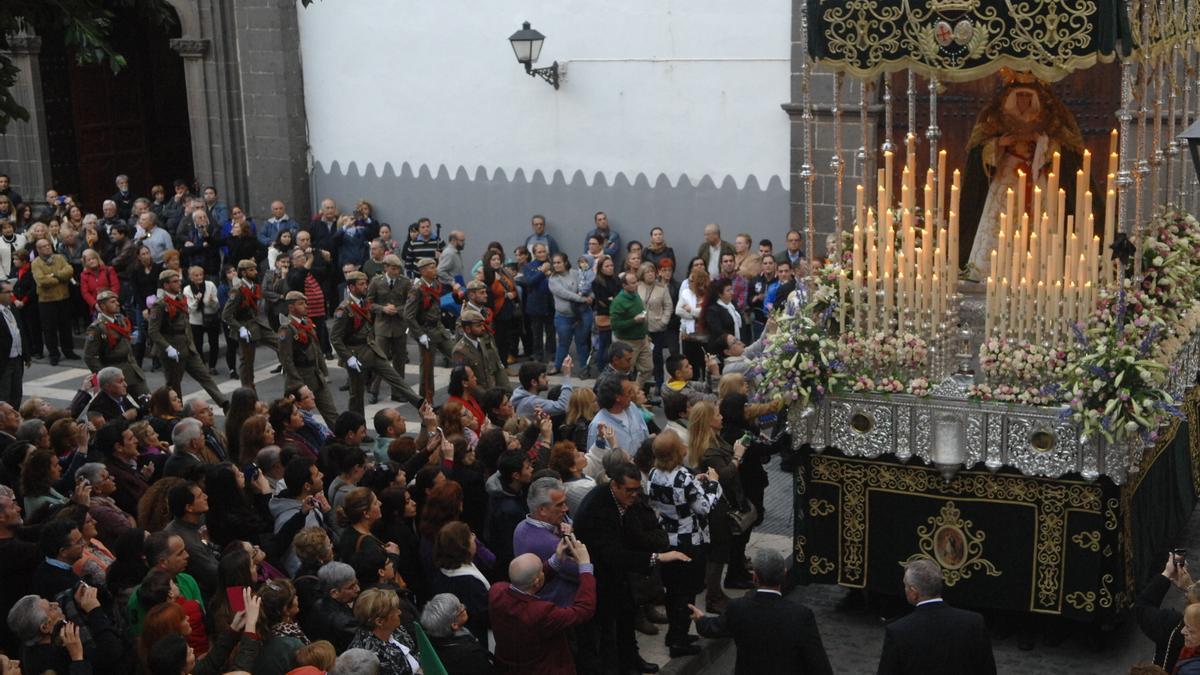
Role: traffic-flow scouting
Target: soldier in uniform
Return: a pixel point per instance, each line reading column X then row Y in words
column 172, row 339
column 387, row 294
column 474, row 349
column 353, row 336
column 477, row 300
column 107, row 342
column 301, row 358
column 245, row 312
column 424, row 314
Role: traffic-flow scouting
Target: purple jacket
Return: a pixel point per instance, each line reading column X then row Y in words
column 532, row 536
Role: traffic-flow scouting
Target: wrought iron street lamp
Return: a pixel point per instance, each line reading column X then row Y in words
column 1192, row 136
column 527, row 46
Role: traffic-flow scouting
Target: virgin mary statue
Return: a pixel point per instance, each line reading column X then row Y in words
column 1020, row 129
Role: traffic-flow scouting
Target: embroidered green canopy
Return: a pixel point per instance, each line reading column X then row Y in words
column 959, row 40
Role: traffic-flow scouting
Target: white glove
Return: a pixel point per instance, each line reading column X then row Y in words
column 244, row 333
column 354, row 363
column 172, row 353
column 424, row 340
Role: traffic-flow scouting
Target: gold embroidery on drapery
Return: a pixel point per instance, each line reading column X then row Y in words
column 961, row 40
column 950, row 539
column 1052, row 500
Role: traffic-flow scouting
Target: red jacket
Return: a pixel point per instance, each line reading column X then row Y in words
column 91, row 282
column 531, row 634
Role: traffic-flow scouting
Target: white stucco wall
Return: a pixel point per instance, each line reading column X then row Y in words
column 653, row 87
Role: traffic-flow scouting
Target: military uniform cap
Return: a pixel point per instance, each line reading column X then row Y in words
column 425, row 262
column 105, row 295
column 247, row 264
column 476, row 285
column 392, row 259
column 355, row 276
column 295, row 296
column 167, row 275
column 470, row 316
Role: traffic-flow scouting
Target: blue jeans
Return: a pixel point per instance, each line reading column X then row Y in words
column 573, row 328
column 600, row 347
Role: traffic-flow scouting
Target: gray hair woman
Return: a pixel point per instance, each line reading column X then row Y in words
column 331, row 617
column 444, row 620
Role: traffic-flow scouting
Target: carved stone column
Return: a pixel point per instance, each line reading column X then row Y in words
column 193, row 52
column 24, row 149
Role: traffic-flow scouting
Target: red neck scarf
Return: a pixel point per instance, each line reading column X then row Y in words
column 431, row 294
column 251, row 296
column 304, row 330
column 360, row 312
column 175, row 306
column 116, row 328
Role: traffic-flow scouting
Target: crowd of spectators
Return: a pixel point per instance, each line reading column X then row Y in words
column 523, row 528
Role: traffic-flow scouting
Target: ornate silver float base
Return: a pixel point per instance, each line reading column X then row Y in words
column 952, row 434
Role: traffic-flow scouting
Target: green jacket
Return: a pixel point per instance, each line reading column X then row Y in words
column 188, row 588
column 622, row 311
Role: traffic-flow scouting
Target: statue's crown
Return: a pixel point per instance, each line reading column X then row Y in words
column 953, row 5
column 1010, row 76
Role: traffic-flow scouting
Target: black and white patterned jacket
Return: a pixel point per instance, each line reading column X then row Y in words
column 683, row 504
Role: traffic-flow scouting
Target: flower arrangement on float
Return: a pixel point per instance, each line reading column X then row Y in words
column 1116, row 386
column 800, row 363
column 1111, row 378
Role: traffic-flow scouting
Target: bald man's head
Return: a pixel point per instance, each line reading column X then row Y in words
column 525, row 572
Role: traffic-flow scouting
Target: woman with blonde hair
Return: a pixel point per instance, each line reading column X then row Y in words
column 735, row 383
column 381, row 632
column 581, row 408
column 683, row 503
column 96, row 277
column 707, row 450
column 148, row 439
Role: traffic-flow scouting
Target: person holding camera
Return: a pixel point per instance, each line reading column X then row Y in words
column 531, row 633
column 1164, row 625
column 52, row 644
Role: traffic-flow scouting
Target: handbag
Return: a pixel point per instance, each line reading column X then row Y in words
column 603, row 321
column 742, row 517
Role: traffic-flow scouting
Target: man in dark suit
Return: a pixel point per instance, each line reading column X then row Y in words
column 772, row 635
column 61, row 545
column 12, row 352
column 935, row 637
column 113, row 400
column 601, row 524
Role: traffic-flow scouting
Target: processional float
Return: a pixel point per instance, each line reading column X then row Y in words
column 994, row 365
